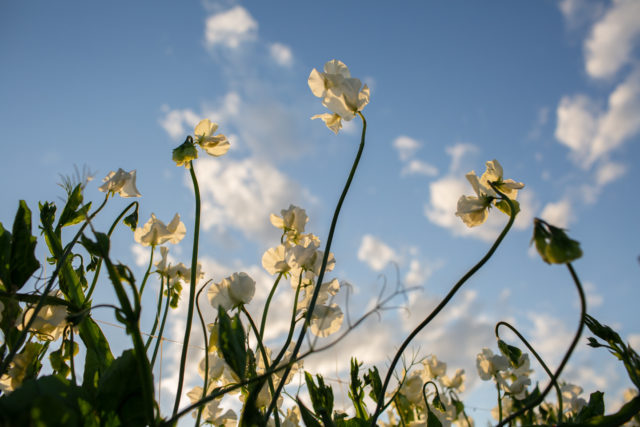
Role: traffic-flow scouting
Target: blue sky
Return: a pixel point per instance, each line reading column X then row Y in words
column 550, row 89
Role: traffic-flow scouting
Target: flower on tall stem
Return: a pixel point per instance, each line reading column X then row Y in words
column 121, row 182
column 342, row 94
column 155, row 232
column 204, row 135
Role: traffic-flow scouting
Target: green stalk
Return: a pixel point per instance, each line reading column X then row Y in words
column 539, row 359
column 146, row 274
column 440, row 306
column 499, row 402
column 192, row 290
column 155, row 322
column 160, row 332
column 323, row 267
column 263, row 322
column 206, row 352
column 565, row 359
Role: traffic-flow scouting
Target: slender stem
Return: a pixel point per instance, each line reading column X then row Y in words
column 292, row 325
column 96, row 274
column 565, row 359
column 158, row 309
column 263, row 322
column 440, row 306
column 72, row 357
column 499, row 401
column 323, row 267
column 206, row 351
column 539, row 359
column 265, row 358
column 192, row 290
column 146, row 274
column 160, row 332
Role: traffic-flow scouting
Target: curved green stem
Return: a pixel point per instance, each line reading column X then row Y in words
column 206, row 351
column 265, row 359
column 440, row 306
column 192, row 290
column 263, row 322
column 160, row 332
column 292, row 325
column 539, row 359
column 499, row 402
column 565, row 359
column 96, row 274
column 323, row 267
column 146, row 274
column 158, row 309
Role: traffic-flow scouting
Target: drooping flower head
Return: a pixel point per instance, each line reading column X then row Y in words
column 232, row 291
column 214, row 145
column 474, row 210
column 340, row 93
column 121, row 182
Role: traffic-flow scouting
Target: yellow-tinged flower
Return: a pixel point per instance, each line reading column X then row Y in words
column 50, row 321
column 154, row 232
column 493, row 174
column 489, row 364
column 215, row 145
column 232, row 291
column 340, row 93
column 121, row 182
column 433, row 368
column 274, row 260
column 14, row 376
column 326, row 320
column 456, row 382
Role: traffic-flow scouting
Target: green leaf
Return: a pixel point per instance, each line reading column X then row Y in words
column 307, row 416
column 120, row 390
column 132, row 219
column 553, row 244
column 47, row 214
column 432, row 419
column 510, row 352
column 503, row 205
column 5, row 258
column 437, row 403
column 23, row 261
column 98, row 356
column 73, row 213
column 231, row 340
column 321, row 398
column 99, row 247
column 594, row 408
column 372, row 378
column 47, row 401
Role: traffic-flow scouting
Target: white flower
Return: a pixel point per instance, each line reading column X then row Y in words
column 292, row 221
column 412, row 388
column 154, row 232
column 212, row 412
column 494, row 174
column 232, row 291
column 433, row 368
column 489, row 364
column 50, row 321
column 274, row 260
column 340, row 93
column 457, row 382
column 326, row 320
column 121, row 182
column 571, row 395
column 215, row 145
column 17, row 370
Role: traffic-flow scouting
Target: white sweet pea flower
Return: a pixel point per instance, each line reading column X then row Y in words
column 216, row 367
column 154, row 232
column 571, row 395
column 13, row 378
column 121, row 182
column 326, row 320
column 274, row 260
column 50, row 321
column 412, row 388
column 489, row 364
column 292, row 221
column 517, row 388
column 494, row 173
column 433, row 368
column 212, row 412
column 232, row 291
column 327, row 290
column 340, row 93
column 456, row 382
column 215, row 145
column 333, row 121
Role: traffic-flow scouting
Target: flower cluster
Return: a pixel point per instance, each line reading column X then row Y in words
column 342, row 94
column 299, row 257
column 121, row 182
column 474, row 210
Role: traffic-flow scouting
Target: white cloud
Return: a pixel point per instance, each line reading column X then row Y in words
column 230, row 28
column 281, row 54
column 375, row 252
column 179, row 123
column 457, row 152
column 418, row 167
column 406, row 147
column 608, row 172
column 558, row 213
column 578, row 12
column 613, row 38
column 242, row 194
column 590, row 133
column 594, row 299
column 418, row 273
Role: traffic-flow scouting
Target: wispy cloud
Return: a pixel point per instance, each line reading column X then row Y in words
column 230, row 28
column 281, row 54
column 375, row 253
